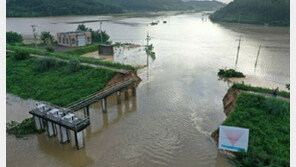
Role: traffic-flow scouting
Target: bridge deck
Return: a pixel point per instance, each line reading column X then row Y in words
column 75, row 106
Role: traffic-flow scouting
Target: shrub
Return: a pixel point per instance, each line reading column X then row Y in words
column 45, row 64
column 21, row 55
column 74, row 65
column 45, row 35
column 276, row 107
column 13, row 37
column 27, row 126
column 288, row 86
column 230, row 73
column 50, row 49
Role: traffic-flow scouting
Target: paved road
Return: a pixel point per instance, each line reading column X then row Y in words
column 89, row 64
column 267, row 95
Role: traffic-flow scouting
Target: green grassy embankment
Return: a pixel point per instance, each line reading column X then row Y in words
column 259, row 89
column 268, row 120
column 73, row 54
column 57, row 86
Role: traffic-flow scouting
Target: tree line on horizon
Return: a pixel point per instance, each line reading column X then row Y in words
column 268, row 12
column 36, row 8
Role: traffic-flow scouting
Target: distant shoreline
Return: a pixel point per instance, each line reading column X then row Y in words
column 157, row 13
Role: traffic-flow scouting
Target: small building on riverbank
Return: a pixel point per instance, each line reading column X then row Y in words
column 106, row 50
column 74, row 38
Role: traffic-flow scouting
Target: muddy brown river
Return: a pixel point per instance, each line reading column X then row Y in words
column 178, row 103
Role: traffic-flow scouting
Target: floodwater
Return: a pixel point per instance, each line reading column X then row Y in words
column 135, row 56
column 178, row 103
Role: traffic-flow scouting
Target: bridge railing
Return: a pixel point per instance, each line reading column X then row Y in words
column 99, row 93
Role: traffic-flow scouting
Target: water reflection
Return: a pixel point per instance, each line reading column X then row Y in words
column 66, row 153
column 116, row 111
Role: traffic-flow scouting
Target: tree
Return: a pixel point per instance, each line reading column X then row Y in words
column 95, row 35
column 82, row 27
column 45, row 35
column 13, row 37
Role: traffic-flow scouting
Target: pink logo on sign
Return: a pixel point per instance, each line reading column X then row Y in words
column 233, row 135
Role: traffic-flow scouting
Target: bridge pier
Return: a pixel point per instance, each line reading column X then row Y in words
column 38, row 123
column 118, row 97
column 64, row 135
column 51, row 129
column 104, row 105
column 79, row 139
column 126, row 94
column 134, row 90
column 86, row 111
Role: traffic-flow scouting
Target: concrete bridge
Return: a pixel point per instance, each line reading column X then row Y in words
column 66, row 119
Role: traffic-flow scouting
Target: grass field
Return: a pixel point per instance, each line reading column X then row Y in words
column 268, row 120
column 57, row 86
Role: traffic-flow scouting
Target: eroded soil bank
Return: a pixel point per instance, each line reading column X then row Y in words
column 228, row 103
column 120, row 77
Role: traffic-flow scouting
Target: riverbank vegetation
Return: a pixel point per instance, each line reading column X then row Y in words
column 13, row 37
column 54, row 83
column 28, row 8
column 95, row 35
column 269, row 12
column 229, row 73
column 259, row 89
column 26, row 127
column 150, row 52
column 269, row 122
column 68, row 56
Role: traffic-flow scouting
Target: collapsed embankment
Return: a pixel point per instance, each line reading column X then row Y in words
column 267, row 118
column 228, row 103
column 121, row 77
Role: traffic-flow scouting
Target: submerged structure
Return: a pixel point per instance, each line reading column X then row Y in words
column 62, row 122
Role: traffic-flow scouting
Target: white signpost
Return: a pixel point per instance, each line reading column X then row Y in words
column 233, row 138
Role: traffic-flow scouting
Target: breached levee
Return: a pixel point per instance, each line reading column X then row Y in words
column 228, row 103
column 122, row 76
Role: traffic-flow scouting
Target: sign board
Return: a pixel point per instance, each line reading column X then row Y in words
column 233, row 138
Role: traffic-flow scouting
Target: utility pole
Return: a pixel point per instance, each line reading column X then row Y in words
column 101, row 30
column 240, row 38
column 238, row 19
column 34, row 33
column 257, row 56
column 148, row 38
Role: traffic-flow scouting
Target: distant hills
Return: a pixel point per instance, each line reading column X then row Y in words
column 36, row 8
column 272, row 12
